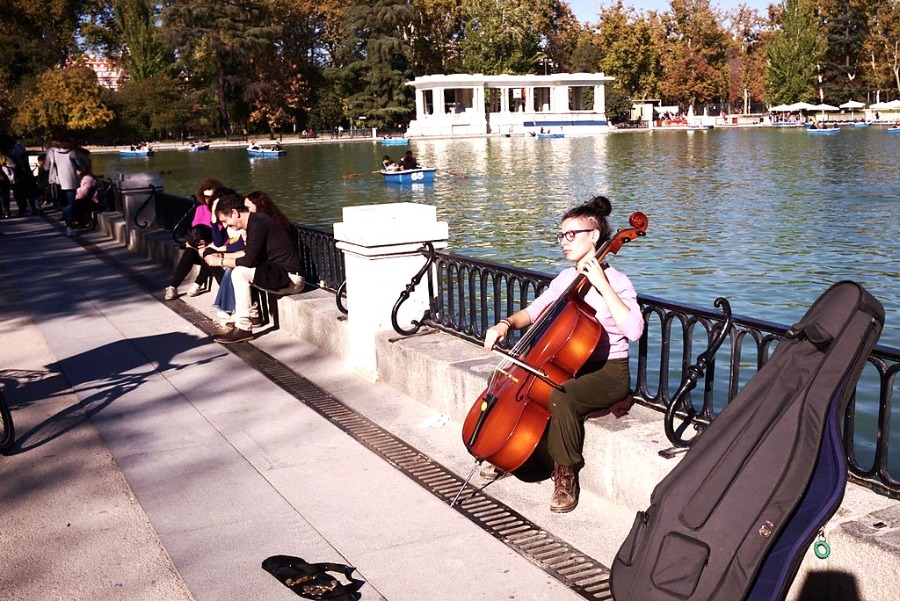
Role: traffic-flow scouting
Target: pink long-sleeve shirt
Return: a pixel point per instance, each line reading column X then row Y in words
column 613, row 342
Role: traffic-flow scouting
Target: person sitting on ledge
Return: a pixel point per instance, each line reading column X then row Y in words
column 269, row 262
column 604, row 380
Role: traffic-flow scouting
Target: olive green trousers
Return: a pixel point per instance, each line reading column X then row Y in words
column 595, row 387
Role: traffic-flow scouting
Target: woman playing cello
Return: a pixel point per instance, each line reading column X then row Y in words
column 604, row 379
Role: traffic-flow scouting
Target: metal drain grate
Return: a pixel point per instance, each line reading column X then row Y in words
column 578, row 571
column 581, row 573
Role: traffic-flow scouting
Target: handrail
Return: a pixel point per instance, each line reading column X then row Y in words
column 470, row 295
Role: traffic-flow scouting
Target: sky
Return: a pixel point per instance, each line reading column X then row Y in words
column 587, row 10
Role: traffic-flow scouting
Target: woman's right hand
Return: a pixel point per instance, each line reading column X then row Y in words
column 494, row 335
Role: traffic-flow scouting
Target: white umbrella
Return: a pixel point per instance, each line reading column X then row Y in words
column 885, row 106
column 824, row 107
column 853, row 104
column 780, row 108
column 802, row 106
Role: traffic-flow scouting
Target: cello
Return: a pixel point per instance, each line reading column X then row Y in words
column 508, row 419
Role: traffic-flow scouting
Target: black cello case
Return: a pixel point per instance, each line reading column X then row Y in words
column 733, row 519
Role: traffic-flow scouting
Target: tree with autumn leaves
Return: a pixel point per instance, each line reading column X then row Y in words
column 207, row 66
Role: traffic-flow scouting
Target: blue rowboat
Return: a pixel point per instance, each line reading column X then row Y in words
column 146, row 152
column 198, row 147
column 830, row 130
column 549, row 136
column 893, row 130
column 859, row 125
column 422, row 175
column 265, row 152
column 394, row 141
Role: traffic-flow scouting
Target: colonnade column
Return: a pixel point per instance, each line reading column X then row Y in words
column 420, row 104
column 382, row 246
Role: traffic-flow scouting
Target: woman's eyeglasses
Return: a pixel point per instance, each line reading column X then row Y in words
column 570, row 235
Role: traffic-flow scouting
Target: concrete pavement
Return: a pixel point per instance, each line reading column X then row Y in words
column 152, row 463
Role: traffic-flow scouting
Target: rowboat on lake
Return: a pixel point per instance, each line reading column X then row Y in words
column 894, row 130
column 823, row 131
column 549, row 136
column 197, row 146
column 394, row 141
column 137, row 151
column 422, row 175
column 257, row 151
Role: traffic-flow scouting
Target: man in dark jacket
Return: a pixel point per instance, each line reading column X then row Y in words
column 269, row 261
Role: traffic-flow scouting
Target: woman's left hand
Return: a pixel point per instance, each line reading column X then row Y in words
column 592, row 269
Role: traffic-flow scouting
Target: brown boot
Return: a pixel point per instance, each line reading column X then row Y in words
column 565, row 490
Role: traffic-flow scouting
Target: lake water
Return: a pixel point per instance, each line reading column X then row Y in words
column 766, row 217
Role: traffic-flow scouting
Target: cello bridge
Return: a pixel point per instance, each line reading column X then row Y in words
column 508, row 375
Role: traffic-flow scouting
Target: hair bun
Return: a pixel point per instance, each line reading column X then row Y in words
column 601, row 204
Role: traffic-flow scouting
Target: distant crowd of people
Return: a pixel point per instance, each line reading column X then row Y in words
column 63, row 179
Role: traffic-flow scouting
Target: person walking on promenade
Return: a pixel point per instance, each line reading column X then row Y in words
column 60, row 162
column 24, row 187
column 269, row 261
column 203, row 230
column 604, row 379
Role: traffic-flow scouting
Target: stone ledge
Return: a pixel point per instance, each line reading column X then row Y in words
column 448, row 374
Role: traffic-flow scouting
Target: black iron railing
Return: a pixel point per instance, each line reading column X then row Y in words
column 323, row 263
column 471, row 295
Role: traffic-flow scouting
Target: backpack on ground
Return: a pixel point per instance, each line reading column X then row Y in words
column 732, row 520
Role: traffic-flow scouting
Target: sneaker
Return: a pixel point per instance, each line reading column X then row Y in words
column 171, row 293
column 194, row 290
column 70, row 232
column 492, row 472
column 235, row 335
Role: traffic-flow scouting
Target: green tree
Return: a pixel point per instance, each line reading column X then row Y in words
column 794, row 53
column 66, row 100
column 377, row 65
column 501, row 37
column 845, row 24
column 218, row 39
column 159, row 106
column 144, row 54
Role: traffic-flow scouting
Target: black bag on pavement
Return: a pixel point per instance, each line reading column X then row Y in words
column 332, row 581
column 766, row 474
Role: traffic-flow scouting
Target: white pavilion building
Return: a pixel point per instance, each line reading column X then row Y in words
column 457, row 105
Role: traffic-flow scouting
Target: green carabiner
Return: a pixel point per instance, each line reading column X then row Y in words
column 822, row 549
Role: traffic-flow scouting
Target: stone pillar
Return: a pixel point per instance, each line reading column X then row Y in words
column 421, row 110
column 382, row 252
column 136, row 189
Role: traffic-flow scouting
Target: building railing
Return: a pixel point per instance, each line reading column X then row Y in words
column 471, row 295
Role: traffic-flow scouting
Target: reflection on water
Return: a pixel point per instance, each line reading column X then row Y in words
column 766, row 217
